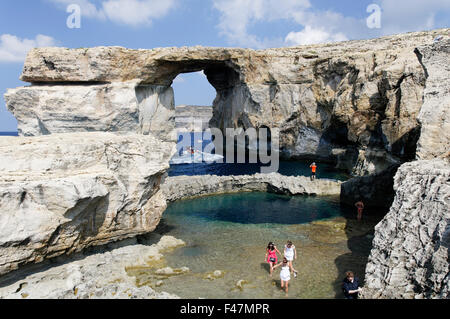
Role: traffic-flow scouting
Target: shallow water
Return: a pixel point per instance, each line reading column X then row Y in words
column 230, row 232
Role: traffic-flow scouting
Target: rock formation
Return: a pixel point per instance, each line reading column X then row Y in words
column 64, row 192
column 434, row 115
column 410, row 255
column 109, row 113
column 409, row 258
column 105, row 107
column 179, row 187
column 99, row 274
column 353, row 103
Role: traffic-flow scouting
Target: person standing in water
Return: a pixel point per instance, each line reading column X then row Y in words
column 285, row 274
column 360, row 206
column 271, row 256
column 290, row 253
column 313, row 171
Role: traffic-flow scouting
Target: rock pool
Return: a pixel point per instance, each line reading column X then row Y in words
column 226, row 236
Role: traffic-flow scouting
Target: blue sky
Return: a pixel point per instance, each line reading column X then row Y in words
column 226, row 23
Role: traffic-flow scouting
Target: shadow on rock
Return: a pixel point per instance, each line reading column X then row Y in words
column 360, row 235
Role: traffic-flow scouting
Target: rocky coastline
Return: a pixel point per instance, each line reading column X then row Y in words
column 97, row 135
column 183, row 187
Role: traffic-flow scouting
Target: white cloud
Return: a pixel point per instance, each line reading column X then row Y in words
column 411, row 15
column 312, row 36
column 135, row 12
column 14, row 49
column 88, row 9
column 316, row 26
column 127, row 12
column 238, row 15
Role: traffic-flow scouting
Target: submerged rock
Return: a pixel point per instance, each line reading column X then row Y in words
column 240, row 284
column 214, row 275
column 329, row 231
column 168, row 271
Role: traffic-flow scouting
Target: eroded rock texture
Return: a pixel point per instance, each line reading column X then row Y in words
column 410, row 255
column 410, row 251
column 435, row 113
column 64, row 192
column 121, row 106
column 353, row 103
column 97, row 274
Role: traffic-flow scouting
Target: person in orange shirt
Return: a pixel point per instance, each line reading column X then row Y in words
column 313, row 171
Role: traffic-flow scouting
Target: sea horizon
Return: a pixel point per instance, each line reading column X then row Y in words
column 9, row 133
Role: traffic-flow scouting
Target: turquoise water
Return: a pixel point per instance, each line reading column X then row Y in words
column 262, row 209
column 229, row 233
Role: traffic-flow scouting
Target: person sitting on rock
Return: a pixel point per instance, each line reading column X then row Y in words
column 350, row 286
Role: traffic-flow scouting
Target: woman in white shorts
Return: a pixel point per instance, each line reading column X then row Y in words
column 285, row 274
column 290, row 253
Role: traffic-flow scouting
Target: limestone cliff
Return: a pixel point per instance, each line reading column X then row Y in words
column 434, row 115
column 65, row 192
column 357, row 104
column 353, row 103
column 409, row 258
column 410, row 255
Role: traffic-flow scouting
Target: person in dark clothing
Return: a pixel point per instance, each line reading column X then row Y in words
column 350, row 286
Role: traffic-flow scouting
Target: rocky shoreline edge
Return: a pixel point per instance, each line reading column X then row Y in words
column 184, row 187
column 100, row 273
